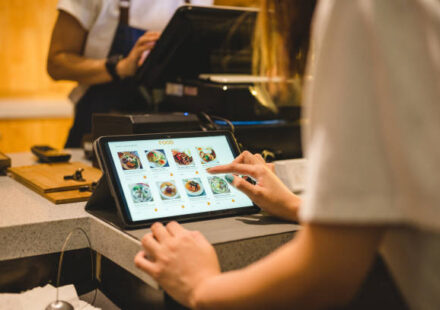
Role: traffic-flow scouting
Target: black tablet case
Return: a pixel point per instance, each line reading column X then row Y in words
column 102, row 205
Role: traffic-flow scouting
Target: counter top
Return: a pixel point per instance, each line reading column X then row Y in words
column 31, row 225
column 16, row 108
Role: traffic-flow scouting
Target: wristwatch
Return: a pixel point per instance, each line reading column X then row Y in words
column 110, row 65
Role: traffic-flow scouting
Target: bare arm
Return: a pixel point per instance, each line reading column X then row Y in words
column 65, row 60
column 322, row 267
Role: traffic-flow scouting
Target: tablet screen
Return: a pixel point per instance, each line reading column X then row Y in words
column 162, row 178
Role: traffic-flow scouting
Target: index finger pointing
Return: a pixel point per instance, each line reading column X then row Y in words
column 247, row 157
column 236, row 168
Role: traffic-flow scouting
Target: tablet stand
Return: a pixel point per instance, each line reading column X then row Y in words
column 102, row 205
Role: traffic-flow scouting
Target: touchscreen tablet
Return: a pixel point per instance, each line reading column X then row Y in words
column 163, row 177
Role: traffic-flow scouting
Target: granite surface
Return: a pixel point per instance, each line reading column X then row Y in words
column 31, row 225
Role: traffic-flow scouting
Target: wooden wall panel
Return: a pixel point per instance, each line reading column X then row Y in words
column 25, row 30
column 20, row 134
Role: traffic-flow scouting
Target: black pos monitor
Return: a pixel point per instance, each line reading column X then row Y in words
column 201, row 40
column 202, row 64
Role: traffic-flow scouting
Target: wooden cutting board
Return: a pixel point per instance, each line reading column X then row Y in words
column 48, row 180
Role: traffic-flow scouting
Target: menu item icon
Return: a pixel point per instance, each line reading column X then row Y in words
column 130, row 160
column 194, row 187
column 182, row 157
column 207, row 154
column 141, row 192
column 219, row 185
column 168, row 190
column 157, row 158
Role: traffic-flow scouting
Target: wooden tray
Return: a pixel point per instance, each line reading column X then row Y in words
column 48, row 180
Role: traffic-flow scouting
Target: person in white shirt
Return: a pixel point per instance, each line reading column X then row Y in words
column 372, row 100
column 100, row 44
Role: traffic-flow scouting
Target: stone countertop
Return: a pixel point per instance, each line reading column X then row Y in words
column 31, row 225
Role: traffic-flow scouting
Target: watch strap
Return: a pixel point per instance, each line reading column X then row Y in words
column 110, row 65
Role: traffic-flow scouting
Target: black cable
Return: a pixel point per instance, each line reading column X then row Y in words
column 204, row 116
column 231, row 126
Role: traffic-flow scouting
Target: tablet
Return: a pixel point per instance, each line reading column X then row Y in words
column 163, row 177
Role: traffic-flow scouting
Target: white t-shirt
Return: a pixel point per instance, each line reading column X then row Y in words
column 373, row 141
column 100, row 18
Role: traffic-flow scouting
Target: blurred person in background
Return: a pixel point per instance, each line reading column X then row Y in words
column 100, row 44
column 372, row 100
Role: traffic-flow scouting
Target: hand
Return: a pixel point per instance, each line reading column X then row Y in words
column 269, row 193
column 178, row 259
column 128, row 66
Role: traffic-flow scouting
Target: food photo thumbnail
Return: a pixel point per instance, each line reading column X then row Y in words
column 194, row 187
column 141, row 192
column 130, row 160
column 183, row 157
column 218, row 185
column 207, row 155
column 168, row 190
column 157, row 158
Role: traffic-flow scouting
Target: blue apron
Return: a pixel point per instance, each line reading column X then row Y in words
column 116, row 96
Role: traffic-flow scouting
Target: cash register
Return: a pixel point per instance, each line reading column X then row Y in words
column 202, row 66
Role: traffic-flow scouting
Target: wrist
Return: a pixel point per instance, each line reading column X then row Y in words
column 294, row 205
column 111, row 66
column 121, row 68
column 194, row 298
column 197, row 298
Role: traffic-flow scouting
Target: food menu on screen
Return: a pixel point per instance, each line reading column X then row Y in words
column 162, row 178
